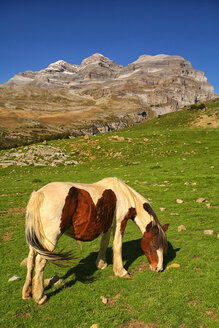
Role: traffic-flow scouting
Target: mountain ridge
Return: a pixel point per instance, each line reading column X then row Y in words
column 98, row 95
column 145, row 62
column 163, row 81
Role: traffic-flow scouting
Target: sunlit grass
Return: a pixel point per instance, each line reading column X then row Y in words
column 164, row 159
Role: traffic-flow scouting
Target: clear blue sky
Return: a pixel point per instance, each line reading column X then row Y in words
column 35, row 33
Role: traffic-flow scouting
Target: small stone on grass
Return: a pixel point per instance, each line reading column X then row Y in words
column 200, row 200
column 181, row 228
column 208, row 232
column 15, row 277
column 104, row 299
column 174, row 265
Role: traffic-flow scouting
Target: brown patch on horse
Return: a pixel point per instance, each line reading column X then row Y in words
column 131, row 214
column 87, row 219
column 68, row 209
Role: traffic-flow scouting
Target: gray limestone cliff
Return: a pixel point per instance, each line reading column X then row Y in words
column 100, row 93
column 163, row 82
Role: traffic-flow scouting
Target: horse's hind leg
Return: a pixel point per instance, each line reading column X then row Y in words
column 101, row 259
column 37, row 290
column 27, row 289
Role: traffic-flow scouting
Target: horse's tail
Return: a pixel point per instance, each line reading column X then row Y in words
column 35, row 235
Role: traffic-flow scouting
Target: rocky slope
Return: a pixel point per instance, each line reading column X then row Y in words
column 96, row 96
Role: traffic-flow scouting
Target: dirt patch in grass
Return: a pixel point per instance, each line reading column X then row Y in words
column 129, row 308
column 16, row 211
column 112, row 300
column 138, row 324
column 12, row 217
column 211, row 314
column 194, row 303
column 206, row 121
column 142, row 267
column 23, row 313
column 7, row 236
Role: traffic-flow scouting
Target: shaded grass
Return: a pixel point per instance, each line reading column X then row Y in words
column 177, row 161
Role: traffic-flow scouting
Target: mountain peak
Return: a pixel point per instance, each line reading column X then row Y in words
column 95, row 59
column 160, row 57
column 58, row 63
column 60, row 66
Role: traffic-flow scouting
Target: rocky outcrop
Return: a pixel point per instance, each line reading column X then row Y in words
column 37, row 155
column 97, row 95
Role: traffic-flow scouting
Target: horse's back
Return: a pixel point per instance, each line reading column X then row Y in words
column 55, row 194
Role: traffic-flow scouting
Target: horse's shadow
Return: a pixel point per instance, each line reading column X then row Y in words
column 85, row 269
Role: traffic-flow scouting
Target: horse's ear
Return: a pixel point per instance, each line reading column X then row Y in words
column 165, row 227
column 149, row 226
column 154, row 230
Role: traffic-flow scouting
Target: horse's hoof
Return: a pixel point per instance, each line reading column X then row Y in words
column 101, row 265
column 27, row 293
column 121, row 273
column 42, row 300
column 26, row 297
column 104, row 266
column 127, row 276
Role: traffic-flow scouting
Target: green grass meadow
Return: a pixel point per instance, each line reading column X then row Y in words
column 164, row 159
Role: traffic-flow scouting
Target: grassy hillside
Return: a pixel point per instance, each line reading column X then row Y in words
column 32, row 115
column 165, row 159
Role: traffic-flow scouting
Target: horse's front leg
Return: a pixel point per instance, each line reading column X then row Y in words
column 117, row 254
column 101, row 259
column 38, row 288
column 27, row 289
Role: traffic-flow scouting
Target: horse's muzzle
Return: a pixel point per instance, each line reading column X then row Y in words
column 157, row 269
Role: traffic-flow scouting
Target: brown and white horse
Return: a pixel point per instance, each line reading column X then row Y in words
column 84, row 212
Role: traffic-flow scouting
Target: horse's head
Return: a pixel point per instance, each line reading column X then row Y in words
column 154, row 244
